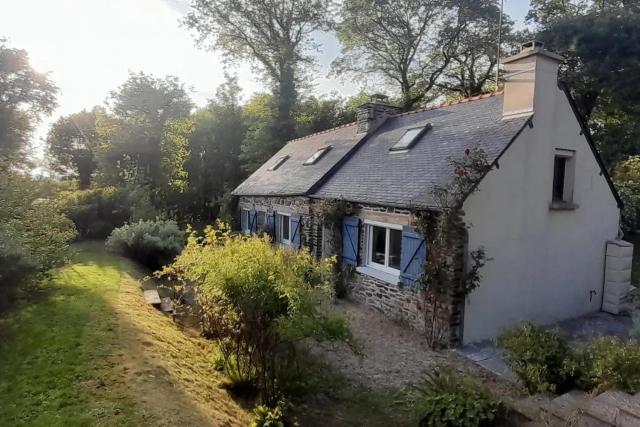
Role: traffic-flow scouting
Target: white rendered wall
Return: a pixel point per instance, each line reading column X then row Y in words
column 545, row 262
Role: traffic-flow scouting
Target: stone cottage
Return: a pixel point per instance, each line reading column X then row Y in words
column 544, row 213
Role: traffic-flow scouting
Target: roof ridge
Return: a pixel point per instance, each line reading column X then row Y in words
column 322, row 131
column 444, row 104
column 453, row 102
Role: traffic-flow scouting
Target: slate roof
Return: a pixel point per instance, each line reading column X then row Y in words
column 375, row 175
column 294, row 178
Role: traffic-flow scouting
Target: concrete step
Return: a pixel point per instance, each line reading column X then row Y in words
column 601, row 411
column 565, row 407
column 529, row 407
column 629, row 407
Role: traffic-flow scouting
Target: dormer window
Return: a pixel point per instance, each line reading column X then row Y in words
column 278, row 163
column 317, row 156
column 410, row 137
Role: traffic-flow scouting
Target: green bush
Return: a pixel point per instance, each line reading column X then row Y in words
column 152, row 243
column 609, row 363
column 257, row 300
column 450, row 399
column 540, row 358
column 34, row 235
column 264, row 416
column 630, row 194
column 95, row 212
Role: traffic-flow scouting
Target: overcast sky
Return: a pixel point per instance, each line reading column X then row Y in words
column 90, row 46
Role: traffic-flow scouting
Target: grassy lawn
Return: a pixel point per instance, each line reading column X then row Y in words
column 88, row 351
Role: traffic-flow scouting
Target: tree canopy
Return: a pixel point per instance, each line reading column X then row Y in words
column 274, row 35
column 25, row 96
column 72, row 144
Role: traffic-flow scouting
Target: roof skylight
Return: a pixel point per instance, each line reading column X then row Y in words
column 278, row 163
column 410, row 137
column 317, row 156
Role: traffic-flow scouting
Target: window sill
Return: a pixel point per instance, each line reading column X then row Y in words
column 562, row 206
column 378, row 274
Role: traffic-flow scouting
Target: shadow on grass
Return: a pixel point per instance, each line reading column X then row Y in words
column 88, row 350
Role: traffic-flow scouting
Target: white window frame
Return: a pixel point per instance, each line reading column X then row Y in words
column 369, row 246
column 245, row 212
column 280, row 218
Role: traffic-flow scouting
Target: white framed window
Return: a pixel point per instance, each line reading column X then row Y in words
column 244, row 220
column 284, row 228
column 383, row 245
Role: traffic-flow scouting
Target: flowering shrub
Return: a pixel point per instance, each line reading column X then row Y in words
column 257, row 301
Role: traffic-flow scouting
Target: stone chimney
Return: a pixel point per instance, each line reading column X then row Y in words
column 529, row 76
column 373, row 113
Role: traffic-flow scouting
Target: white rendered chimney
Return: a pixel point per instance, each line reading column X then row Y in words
column 528, row 75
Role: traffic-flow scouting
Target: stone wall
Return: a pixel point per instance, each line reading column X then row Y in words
column 399, row 303
column 310, row 232
column 396, row 301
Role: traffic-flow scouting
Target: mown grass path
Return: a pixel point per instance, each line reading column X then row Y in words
column 88, row 351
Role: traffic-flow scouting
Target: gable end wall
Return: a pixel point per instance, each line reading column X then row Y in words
column 546, row 265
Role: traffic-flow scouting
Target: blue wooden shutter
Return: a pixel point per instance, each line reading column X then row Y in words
column 350, row 240
column 413, row 256
column 295, row 230
column 253, row 222
column 270, row 223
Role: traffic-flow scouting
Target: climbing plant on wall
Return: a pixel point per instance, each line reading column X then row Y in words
column 331, row 213
column 446, row 279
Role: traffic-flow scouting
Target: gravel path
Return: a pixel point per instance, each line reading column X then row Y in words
column 392, row 355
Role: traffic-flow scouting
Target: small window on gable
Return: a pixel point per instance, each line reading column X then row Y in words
column 563, row 179
column 410, row 137
column 278, row 163
column 317, row 155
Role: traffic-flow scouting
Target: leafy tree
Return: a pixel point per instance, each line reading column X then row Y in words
column 599, row 40
column 25, row 96
column 408, row 42
column 34, row 235
column 472, row 67
column 626, row 176
column 419, row 45
column 174, row 149
column 143, row 141
column 213, row 164
column 274, row 35
column 259, row 143
column 157, row 99
column 315, row 114
column 547, row 12
column 72, row 143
